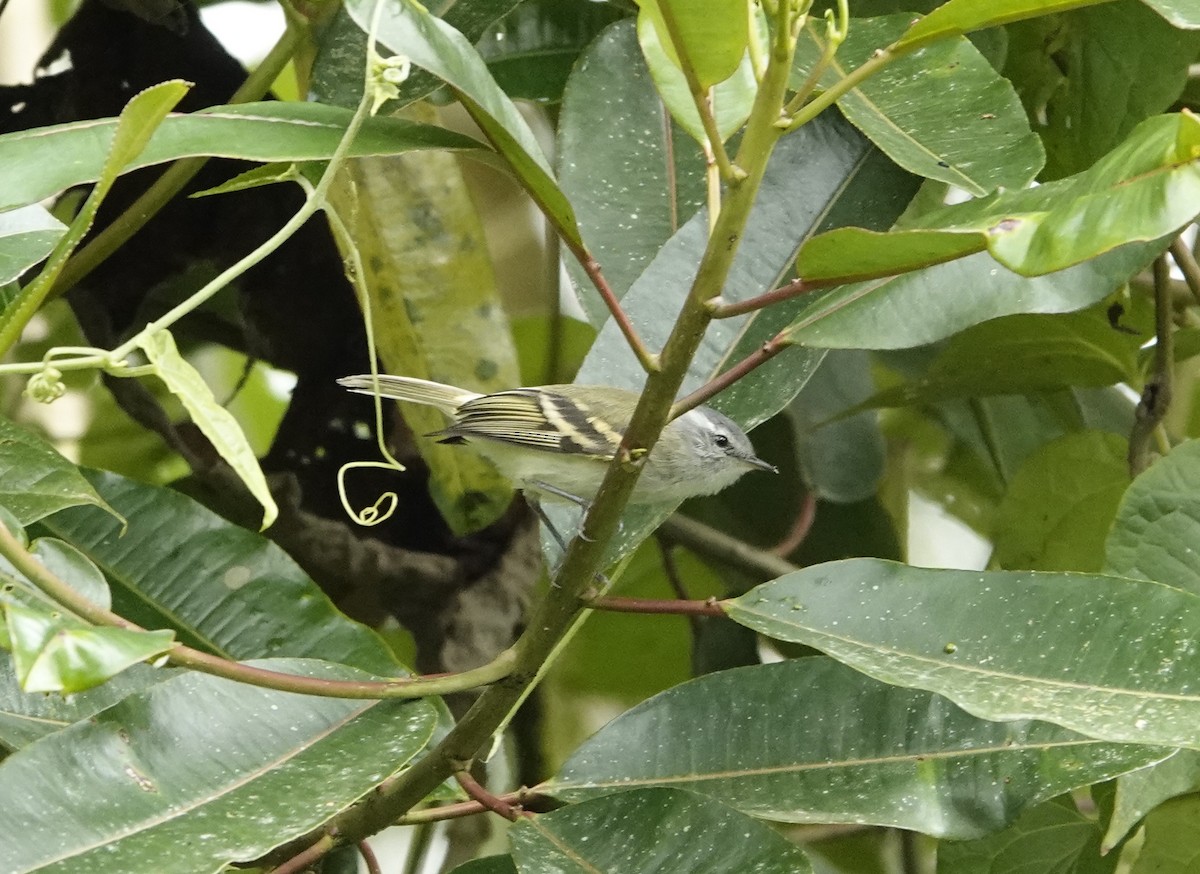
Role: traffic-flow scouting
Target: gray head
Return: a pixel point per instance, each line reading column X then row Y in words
column 720, row 445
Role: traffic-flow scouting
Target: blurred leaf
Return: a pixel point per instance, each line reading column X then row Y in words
column 870, row 753
column 1172, row 844
column 1181, row 13
column 256, row 761
column 408, row 29
column 711, row 37
column 35, row 481
column 435, row 310
column 843, row 460
column 532, row 50
column 55, row 654
column 1003, row 645
column 1121, row 64
column 550, row 348
column 1054, row 838
column 268, row 132
column 913, row 309
column 487, row 865
column 27, row 236
column 942, row 112
column 1022, row 354
column 213, row 420
column 651, row 830
column 1157, row 522
column 732, row 98
column 957, row 17
column 633, row 191
column 220, row 587
column 1140, row 791
column 72, row 567
column 1061, row 504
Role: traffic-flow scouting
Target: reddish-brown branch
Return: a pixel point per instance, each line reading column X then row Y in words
column 369, row 858
column 591, row 267
column 478, row 793
column 800, row 527
column 306, row 858
column 755, row 359
column 665, row 606
column 795, row 288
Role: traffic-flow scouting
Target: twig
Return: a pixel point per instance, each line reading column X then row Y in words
column 795, row 288
column 718, row 384
column 307, row 857
column 717, row 545
column 479, row 793
column 1186, row 259
column 369, row 858
column 801, row 526
column 1156, row 396
column 184, row 656
column 662, row 607
column 649, row 361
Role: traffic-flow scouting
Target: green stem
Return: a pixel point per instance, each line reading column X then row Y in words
column 174, row 178
column 849, row 82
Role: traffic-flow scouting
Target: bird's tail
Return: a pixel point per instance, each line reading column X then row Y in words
column 446, row 398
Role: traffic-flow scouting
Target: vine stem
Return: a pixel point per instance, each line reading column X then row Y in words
column 186, row 657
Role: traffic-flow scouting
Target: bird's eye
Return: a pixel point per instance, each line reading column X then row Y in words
column 721, row 440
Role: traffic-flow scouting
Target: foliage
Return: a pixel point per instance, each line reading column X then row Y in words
column 936, row 251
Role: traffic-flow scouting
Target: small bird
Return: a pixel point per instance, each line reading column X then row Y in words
column 557, row 440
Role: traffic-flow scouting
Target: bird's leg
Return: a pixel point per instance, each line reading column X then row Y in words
column 537, row 507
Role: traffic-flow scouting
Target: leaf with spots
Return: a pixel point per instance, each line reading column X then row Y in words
column 220, row 587
column 870, row 753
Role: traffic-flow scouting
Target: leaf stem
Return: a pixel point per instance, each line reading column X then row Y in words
column 658, row 606
column 849, row 82
column 718, row 384
column 836, row 30
column 480, row 794
column 648, row 360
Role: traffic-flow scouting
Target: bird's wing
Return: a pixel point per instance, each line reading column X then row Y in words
column 530, row 417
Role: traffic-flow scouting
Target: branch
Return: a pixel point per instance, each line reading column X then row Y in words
column 649, row 361
column 718, row 384
column 1183, row 256
column 660, row 607
column 482, row 796
column 795, row 288
column 305, row 859
column 1156, row 396
column 186, row 657
column 717, row 545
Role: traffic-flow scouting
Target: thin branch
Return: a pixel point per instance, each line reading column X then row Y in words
column 1186, row 259
column 480, row 794
column 795, row 288
column 718, row 384
column 369, row 858
column 460, row 809
column 661, row 607
column 306, row 858
column 800, row 529
column 649, row 360
column 719, row 546
column 184, row 656
column 836, row 29
column 1156, row 396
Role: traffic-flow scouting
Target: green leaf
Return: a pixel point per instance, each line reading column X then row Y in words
column 435, row 308
column 1112, row 55
column 126, row 800
column 26, row 717
column 1003, row 645
column 1022, row 354
column 711, row 38
column 870, row 753
column 1172, row 844
column 222, row 588
column 914, row 309
column 1158, row 521
column 36, row 481
column 55, row 654
column 823, row 175
column 732, row 99
column 408, row 29
column 487, row 865
column 27, row 236
column 943, row 112
column 269, row 132
column 1061, row 503
column 632, row 194
column 1181, row 13
column 651, row 830
column 1139, row 792
column 213, row 420
column 72, row 567
column 1052, row 839
column 957, row 17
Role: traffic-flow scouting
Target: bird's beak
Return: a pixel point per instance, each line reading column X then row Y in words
column 755, row 461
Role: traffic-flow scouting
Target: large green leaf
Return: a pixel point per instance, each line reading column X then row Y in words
column 1141, row 791
column 1061, row 503
column 27, row 235
column 1004, row 645
column 36, row 481
column 943, row 112
column 1172, row 842
column 651, row 830
column 957, row 17
column 632, row 194
column 1052, row 839
column 914, row 309
column 407, row 28
column 220, row 587
column 868, row 753
column 711, row 38
column 1158, row 523
column 277, row 131
column 114, row 794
